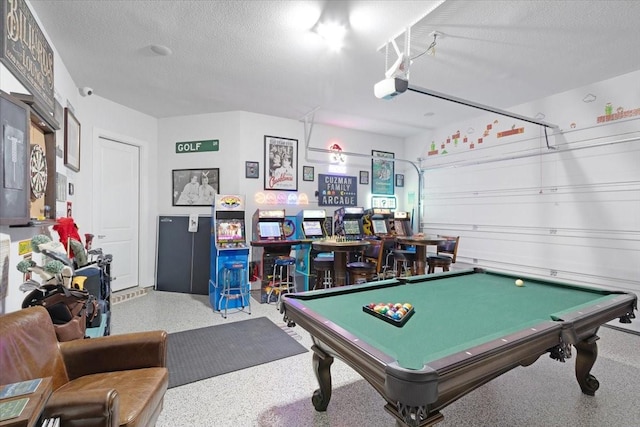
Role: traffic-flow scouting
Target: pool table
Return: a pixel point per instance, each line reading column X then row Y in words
column 468, row 327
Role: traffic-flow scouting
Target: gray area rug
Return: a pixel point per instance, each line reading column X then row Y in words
column 198, row 354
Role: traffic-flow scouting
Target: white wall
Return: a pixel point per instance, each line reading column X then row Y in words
column 241, row 135
column 571, row 213
column 95, row 115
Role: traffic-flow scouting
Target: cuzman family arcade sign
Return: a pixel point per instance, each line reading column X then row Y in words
column 337, row 190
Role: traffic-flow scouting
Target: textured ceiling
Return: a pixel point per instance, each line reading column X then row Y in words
column 261, row 56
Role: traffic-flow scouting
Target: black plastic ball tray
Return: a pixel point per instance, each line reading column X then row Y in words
column 388, row 319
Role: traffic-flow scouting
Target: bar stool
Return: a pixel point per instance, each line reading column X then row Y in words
column 283, row 279
column 323, row 267
column 404, row 261
column 388, row 246
column 234, row 287
column 438, row 262
column 361, row 272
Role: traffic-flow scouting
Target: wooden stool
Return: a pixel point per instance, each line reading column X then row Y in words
column 323, row 267
column 438, row 262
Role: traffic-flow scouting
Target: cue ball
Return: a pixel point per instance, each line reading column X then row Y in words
column 519, row 282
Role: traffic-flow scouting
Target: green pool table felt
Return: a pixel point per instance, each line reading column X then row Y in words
column 453, row 314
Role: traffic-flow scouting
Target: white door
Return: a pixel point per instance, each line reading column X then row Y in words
column 115, row 207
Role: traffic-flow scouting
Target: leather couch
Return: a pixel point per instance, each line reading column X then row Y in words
column 116, row 380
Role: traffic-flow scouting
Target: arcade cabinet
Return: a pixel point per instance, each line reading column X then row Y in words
column 269, row 242
column 378, row 221
column 347, row 223
column 310, row 227
column 228, row 244
column 402, row 224
column 378, row 224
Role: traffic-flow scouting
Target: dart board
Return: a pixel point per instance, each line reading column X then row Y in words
column 38, row 168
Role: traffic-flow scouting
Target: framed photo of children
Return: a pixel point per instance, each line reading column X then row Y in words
column 364, row 177
column 281, row 159
column 307, row 173
column 382, row 170
column 399, row 180
column 195, row 187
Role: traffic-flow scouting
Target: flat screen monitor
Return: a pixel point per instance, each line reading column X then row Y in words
column 399, row 226
column 230, row 230
column 351, row 226
column 379, row 226
column 269, row 230
column 312, row 229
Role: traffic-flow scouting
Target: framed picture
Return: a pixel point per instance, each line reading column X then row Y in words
column 58, row 115
column 71, row 141
column 195, row 187
column 364, row 177
column 251, row 169
column 382, row 172
column 281, row 157
column 399, row 180
column 307, row 173
column 61, row 187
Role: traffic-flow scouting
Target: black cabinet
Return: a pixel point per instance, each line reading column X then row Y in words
column 183, row 257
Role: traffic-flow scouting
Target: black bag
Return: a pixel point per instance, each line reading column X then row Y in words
column 70, row 309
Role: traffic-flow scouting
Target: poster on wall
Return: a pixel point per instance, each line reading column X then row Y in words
column 337, row 190
column 281, row 158
column 382, row 172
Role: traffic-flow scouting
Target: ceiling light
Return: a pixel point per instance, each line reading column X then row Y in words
column 333, row 33
column 161, row 50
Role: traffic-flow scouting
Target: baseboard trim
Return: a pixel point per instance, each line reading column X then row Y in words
column 127, row 294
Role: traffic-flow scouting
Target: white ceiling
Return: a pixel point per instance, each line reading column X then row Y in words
column 261, row 56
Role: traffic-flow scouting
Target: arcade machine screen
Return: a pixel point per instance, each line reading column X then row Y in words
column 312, row 229
column 230, row 230
column 351, row 227
column 269, row 230
column 399, row 227
column 379, row 226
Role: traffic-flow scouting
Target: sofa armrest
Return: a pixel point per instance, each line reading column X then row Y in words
column 92, row 407
column 114, row 353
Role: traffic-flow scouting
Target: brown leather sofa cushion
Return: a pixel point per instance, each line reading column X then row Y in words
column 117, row 380
column 141, row 392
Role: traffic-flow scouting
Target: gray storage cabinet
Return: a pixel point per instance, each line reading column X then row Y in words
column 183, row 258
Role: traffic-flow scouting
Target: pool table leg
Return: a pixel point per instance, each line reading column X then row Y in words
column 322, row 368
column 587, row 353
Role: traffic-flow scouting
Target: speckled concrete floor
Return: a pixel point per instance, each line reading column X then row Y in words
column 278, row 394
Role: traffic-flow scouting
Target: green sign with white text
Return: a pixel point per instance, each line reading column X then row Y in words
column 197, row 146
